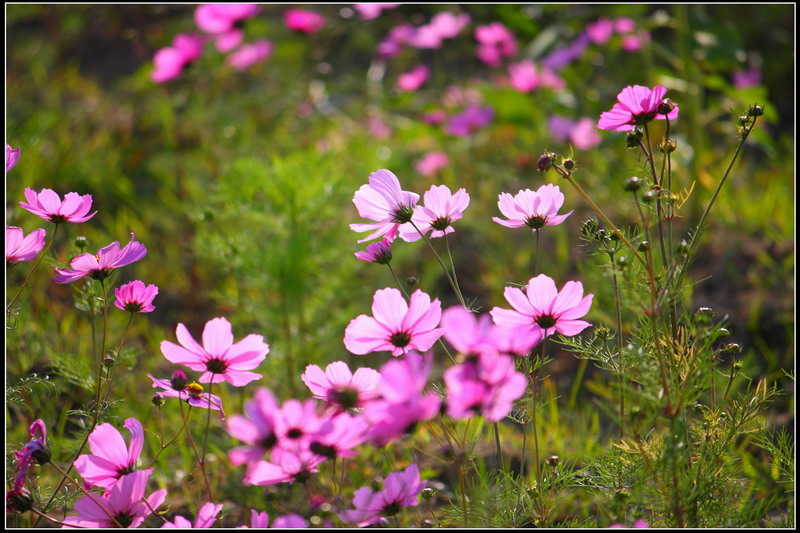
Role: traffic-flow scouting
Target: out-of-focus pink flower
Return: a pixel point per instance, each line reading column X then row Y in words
column 377, row 252
column 12, row 156
column 636, row 105
column 443, row 25
column 473, row 336
column 256, row 430
column 472, row 119
column 169, row 62
column 600, row 31
column 398, row 37
column 205, row 518
column 48, row 205
column 624, row 25
column 99, row 266
column 413, row 79
column 261, row 521
column 543, row 310
column 371, row 11
column 747, row 78
column 581, row 133
column 378, row 128
column 20, row 247
column 400, row 490
column 434, row 117
column 431, row 163
column 633, row 42
column 303, row 21
column 486, row 385
column 221, row 18
column 495, row 42
column 532, row 209
column 124, row 502
column 110, row 458
column 191, row 393
column 403, row 403
column 347, row 432
column 455, row 96
column 297, row 423
column 341, row 388
column 395, row 326
column 135, row 297
column 638, row 524
column 523, row 76
column 441, row 209
column 219, row 358
column 286, row 467
column 383, row 201
column 250, row 54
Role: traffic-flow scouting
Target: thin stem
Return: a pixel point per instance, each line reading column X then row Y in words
column 153, row 511
column 116, row 360
column 33, row 269
column 41, row 515
column 397, row 280
column 452, row 264
column 619, row 350
column 167, row 445
column 93, row 497
column 534, row 392
column 657, row 183
column 536, row 269
column 730, row 380
column 205, row 440
column 441, row 263
column 197, row 455
column 102, row 350
column 500, row 460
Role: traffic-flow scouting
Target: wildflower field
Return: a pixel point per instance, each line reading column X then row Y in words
column 400, row 265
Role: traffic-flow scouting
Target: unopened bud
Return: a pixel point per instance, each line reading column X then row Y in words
column 108, row 362
column 19, row 500
column 622, row 493
column 755, row 111
column 622, row 261
column 634, row 138
column 411, row 281
column 428, row 523
column 704, row 314
column 569, row 164
column 81, row 242
column 589, row 228
column 643, row 246
column 723, row 332
column 545, row 162
column 428, row 493
column 665, row 107
column 179, row 380
column 668, row 145
column 732, row 347
column 633, row 184
column 738, row 365
column 553, row 460
column 682, row 248
column 157, row 399
column 602, row 333
column 649, row 196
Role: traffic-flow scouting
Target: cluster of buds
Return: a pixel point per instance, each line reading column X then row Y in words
column 562, row 165
column 746, row 120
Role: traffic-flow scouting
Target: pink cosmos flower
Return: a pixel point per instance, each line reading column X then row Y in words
column 471, row 335
column 34, row 451
column 256, row 430
column 219, row 358
column 135, row 297
column 341, row 388
column 634, row 41
column 20, row 247
column 469, row 121
column 624, row 25
column 371, row 11
column 346, row 433
column 303, row 21
column 441, row 209
column 433, row 118
column 431, row 163
column 123, row 501
column 378, row 252
column 384, row 202
column 413, row 79
column 250, row 54
column 532, row 209
column 205, row 518
column 12, row 156
column 297, row 424
column 486, row 384
column 110, row 458
column 600, row 31
column 261, row 521
column 400, row 489
column 745, row 78
column 543, row 310
column 395, row 325
column 99, row 266
column 169, row 62
column 443, row 25
column 523, row 76
column 581, row 133
column 191, row 393
column 222, row 21
column 638, row 524
column 393, row 43
column 403, row 403
column 636, row 105
column 495, row 43
column 287, row 467
column 48, row 205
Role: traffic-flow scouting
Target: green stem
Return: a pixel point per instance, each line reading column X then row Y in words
column 619, row 350
column 397, row 280
column 116, row 361
column 501, row 463
column 33, row 269
column 97, row 500
column 452, row 265
column 651, row 158
column 441, row 263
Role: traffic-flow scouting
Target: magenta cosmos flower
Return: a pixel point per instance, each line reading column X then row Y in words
column 260, row 520
column 378, row 252
column 341, row 388
column 12, row 156
column 543, row 310
column 395, row 325
column 471, row 335
column 441, row 209
column 287, row 467
column 371, row 11
column 34, row 451
column 256, row 430
column 135, row 297
column 303, row 21
column 636, row 106
column 99, row 266
column 495, row 42
column 431, row 163
column 48, row 205
column 125, row 502
column 191, row 393
column 110, row 458
column 20, row 247
column 413, row 79
column 169, row 62
column 384, row 202
column 532, row 209
column 400, row 489
column 223, row 21
column 218, row 358
column 469, row 121
column 250, row 54
column 205, row 518
column 347, row 432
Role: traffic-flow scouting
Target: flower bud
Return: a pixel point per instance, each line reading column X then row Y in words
column 723, row 332
column 633, row 184
column 179, row 380
column 553, row 460
column 157, row 400
column 622, row 493
column 743, row 120
column 41, row 455
column 622, row 261
column 81, row 242
column 428, row 523
column 738, row 365
column 682, row 248
column 634, row 138
column 732, row 347
column 755, row 111
column 602, row 333
column 19, row 500
column 411, row 281
column 108, row 362
column 665, row 107
column 704, row 315
column 545, row 162
column 649, row 196
column 569, row 164
column 589, row 228
column 668, row 145
column 428, row 493
column 643, row 246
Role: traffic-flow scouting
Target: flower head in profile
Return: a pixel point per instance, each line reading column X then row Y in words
column 21, row 247
column 219, row 358
column 340, row 388
column 12, row 156
column 125, row 502
column 99, row 266
column 205, row 518
column 110, row 458
column 543, row 310
column 303, row 21
column 384, row 202
column 636, row 106
column 436, row 217
column 400, row 489
column 532, row 209
column 135, row 297
column 191, row 393
column 35, row 451
column 395, row 326
column 169, row 62
column 48, row 205
column 378, row 252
